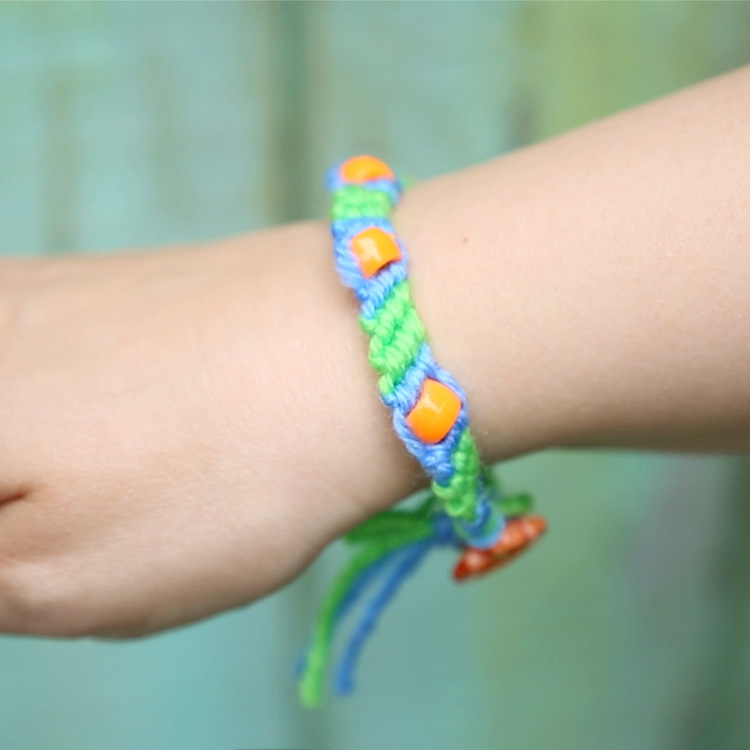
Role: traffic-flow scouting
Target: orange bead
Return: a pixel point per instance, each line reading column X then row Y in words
column 374, row 248
column 518, row 535
column 435, row 412
column 364, row 168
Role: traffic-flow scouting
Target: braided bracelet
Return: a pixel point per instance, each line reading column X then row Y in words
column 464, row 507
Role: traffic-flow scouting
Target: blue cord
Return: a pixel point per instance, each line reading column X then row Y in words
column 407, row 561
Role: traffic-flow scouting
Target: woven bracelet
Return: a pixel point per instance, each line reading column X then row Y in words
column 465, row 508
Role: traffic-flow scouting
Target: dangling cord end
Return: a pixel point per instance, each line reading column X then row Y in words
column 406, row 562
column 342, row 595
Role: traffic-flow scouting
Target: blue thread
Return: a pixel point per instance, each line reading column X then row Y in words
column 484, row 531
column 356, row 590
column 335, row 182
column 373, row 295
column 435, row 458
column 407, row 561
column 444, row 533
column 406, row 391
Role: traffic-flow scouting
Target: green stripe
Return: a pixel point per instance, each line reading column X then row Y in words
column 356, row 201
column 460, row 494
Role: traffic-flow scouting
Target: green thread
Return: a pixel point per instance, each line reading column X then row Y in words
column 382, row 325
column 516, row 505
column 387, row 523
column 407, row 340
column 396, row 335
column 459, row 496
column 311, row 686
column 356, row 201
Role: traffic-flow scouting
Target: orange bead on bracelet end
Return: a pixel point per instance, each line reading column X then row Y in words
column 518, row 535
column 435, row 412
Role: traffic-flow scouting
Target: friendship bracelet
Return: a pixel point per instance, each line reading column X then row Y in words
column 464, row 507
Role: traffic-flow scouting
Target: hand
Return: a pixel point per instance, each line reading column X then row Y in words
column 181, row 431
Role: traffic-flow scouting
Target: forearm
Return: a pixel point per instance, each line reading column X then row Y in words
column 590, row 290
column 594, row 289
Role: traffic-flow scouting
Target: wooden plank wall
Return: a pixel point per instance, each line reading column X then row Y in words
column 133, row 124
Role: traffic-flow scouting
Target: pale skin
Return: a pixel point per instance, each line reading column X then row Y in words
column 183, row 430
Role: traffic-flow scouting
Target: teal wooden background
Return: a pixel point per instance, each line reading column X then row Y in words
column 138, row 124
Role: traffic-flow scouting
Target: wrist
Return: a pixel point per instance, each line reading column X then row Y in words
column 336, row 431
column 461, row 292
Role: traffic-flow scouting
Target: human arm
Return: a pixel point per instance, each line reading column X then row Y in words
column 182, row 431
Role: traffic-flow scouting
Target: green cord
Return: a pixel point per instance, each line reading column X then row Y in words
column 311, row 687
